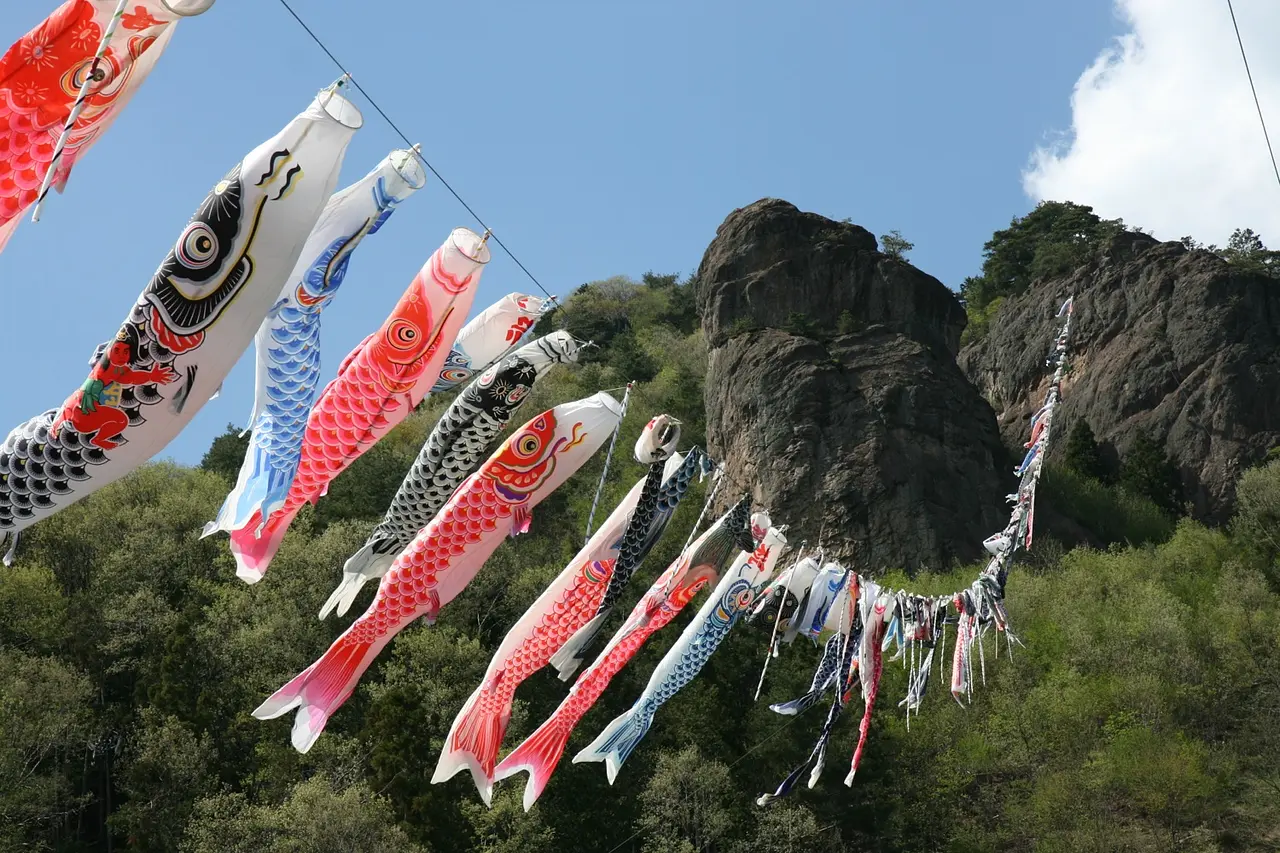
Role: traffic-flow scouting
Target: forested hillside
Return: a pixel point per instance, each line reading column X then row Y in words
column 1143, row 713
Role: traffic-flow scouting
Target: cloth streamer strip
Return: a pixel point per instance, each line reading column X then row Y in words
column 288, row 341
column 454, row 449
column 378, row 385
column 63, row 84
column 189, row 326
column 495, row 502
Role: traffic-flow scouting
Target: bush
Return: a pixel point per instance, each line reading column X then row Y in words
column 1112, row 513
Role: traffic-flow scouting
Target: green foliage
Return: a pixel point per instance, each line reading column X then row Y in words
column 1051, row 240
column 1245, row 251
column 895, row 245
column 316, row 818
column 226, row 454
column 1147, row 471
column 979, row 319
column 1112, row 513
column 846, row 324
column 800, row 324
column 1081, row 453
column 1257, row 521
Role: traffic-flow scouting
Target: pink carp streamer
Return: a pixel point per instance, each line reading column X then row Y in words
column 378, row 385
column 495, row 502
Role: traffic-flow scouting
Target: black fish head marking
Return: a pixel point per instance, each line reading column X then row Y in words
column 208, row 264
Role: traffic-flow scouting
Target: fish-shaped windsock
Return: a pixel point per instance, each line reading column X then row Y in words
column 189, row 326
column 819, row 603
column 568, row 602
column 731, row 598
column 489, row 336
column 700, row 564
column 378, row 385
column 643, row 529
column 823, row 677
column 453, row 450
column 288, row 341
column 495, row 502
column 878, row 610
column 41, row 77
column 781, row 600
column 841, row 657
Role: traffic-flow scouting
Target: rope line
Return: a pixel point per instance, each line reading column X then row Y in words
column 410, row 144
column 1254, row 89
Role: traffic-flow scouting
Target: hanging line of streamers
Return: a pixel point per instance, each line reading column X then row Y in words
column 608, row 458
column 882, row 617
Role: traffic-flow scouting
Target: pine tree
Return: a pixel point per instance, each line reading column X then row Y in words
column 1082, row 452
column 1147, row 471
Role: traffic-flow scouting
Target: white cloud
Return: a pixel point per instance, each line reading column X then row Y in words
column 1164, row 129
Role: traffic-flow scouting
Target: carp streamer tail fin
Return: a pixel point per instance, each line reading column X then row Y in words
column 804, row 703
column 364, row 565
column 573, row 652
column 473, row 743
column 319, row 690
column 538, row 756
column 617, row 741
column 254, row 552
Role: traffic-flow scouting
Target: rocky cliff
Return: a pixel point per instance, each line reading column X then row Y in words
column 833, row 384
column 1170, row 342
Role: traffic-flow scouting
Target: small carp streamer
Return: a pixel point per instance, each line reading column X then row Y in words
column 288, row 342
column 452, row 451
column 492, row 334
column 189, row 326
column 700, row 564
column 868, row 619
column 731, row 599
column 492, row 504
column 568, row 603
column 64, row 82
column 378, row 385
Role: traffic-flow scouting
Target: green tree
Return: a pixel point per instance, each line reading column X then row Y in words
column 1246, row 251
column 895, row 245
column 1053, row 239
column 1256, row 524
column 689, row 805
column 1081, row 453
column 46, row 725
column 225, row 456
column 167, row 769
column 316, row 818
column 1147, row 471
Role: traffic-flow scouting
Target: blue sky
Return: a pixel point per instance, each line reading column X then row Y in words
column 595, row 138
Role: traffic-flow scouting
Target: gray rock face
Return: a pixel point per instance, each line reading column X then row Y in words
column 833, row 384
column 1167, row 341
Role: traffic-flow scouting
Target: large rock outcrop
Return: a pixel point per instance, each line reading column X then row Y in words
column 833, row 385
column 1170, row 342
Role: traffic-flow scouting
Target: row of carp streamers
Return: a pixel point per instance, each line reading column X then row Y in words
column 260, row 259
column 867, row 619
